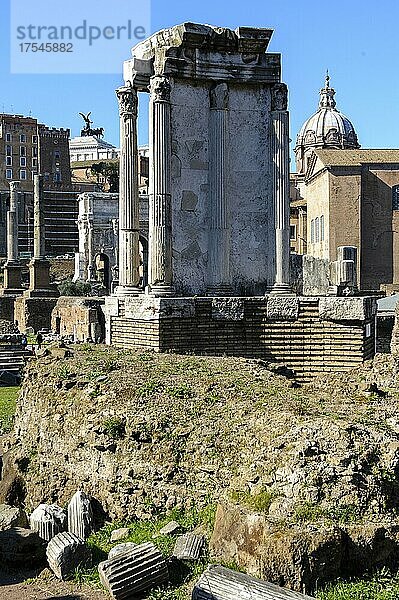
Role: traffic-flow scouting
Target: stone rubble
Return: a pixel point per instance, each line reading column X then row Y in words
column 12, row 517
column 19, row 546
column 65, row 552
column 134, row 571
column 48, row 520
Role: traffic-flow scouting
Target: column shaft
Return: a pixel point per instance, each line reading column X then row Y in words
column 160, row 205
column 219, row 235
column 39, row 237
column 129, row 226
column 281, row 187
column 12, row 224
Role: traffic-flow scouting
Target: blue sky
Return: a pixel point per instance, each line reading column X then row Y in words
column 357, row 40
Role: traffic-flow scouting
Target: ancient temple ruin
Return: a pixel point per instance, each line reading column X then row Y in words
column 218, row 231
column 218, row 164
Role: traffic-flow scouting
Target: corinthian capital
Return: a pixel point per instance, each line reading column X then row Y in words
column 127, row 99
column 15, row 186
column 279, row 96
column 160, row 88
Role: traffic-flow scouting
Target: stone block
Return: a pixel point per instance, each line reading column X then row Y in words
column 80, row 515
column 119, row 534
column 48, row 520
column 65, row 552
column 131, row 573
column 189, row 201
column 149, row 308
column 19, row 546
column 170, row 528
column 347, row 309
column 12, row 517
column 282, row 308
column 227, row 309
column 189, row 546
column 219, row 583
column 120, row 549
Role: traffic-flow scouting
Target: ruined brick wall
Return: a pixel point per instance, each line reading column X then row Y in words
column 33, row 312
column 78, row 317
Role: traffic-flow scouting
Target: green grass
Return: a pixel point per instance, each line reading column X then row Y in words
column 381, row 586
column 148, row 531
column 8, row 399
column 259, row 502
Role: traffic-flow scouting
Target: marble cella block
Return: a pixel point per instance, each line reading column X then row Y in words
column 48, row 520
column 189, row 546
column 65, row 552
column 132, row 572
column 80, row 515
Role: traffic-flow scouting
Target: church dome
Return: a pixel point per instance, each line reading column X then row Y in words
column 328, row 127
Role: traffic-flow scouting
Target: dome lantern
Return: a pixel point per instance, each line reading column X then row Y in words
column 326, row 128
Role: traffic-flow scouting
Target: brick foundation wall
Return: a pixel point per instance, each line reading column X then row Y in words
column 307, row 342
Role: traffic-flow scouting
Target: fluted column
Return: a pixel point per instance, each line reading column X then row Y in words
column 129, row 227
column 12, row 267
column 160, row 208
column 219, row 235
column 281, row 187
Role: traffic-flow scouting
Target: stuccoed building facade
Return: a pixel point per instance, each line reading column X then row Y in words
column 348, row 196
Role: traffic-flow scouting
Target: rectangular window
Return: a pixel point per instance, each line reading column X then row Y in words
column 395, row 197
column 22, row 138
column 292, row 232
column 34, row 151
column 34, row 162
column 57, row 177
column 22, row 151
column 322, row 228
column 33, row 174
column 312, row 231
column 9, row 151
column 22, row 174
column 8, row 137
column 8, row 161
column 8, row 173
column 22, row 161
column 34, row 139
column 317, row 230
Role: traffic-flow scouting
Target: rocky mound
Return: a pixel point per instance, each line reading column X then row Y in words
column 307, row 478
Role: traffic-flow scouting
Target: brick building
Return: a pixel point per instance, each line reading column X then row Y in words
column 26, row 148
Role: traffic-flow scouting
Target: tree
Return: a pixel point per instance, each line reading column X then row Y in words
column 110, row 172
